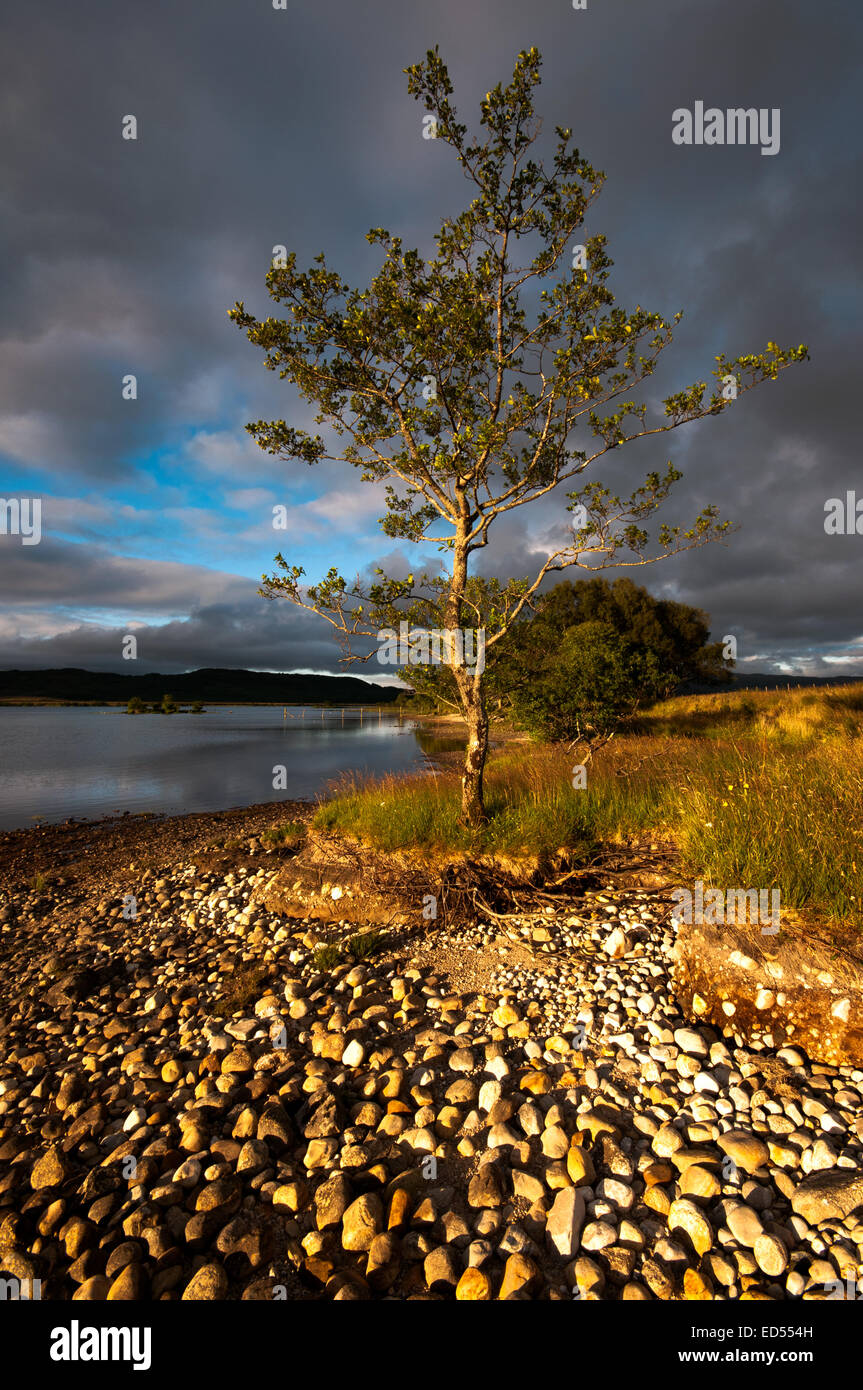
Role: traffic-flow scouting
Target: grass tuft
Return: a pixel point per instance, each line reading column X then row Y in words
column 327, row 957
column 291, row 832
column 364, row 944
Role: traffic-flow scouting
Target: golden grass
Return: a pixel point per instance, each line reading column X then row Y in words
column 758, row 790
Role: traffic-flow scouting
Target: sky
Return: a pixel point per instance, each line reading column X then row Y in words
column 259, row 127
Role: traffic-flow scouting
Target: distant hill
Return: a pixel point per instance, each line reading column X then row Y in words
column 214, row 684
column 237, row 687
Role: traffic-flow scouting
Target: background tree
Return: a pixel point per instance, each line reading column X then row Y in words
column 676, row 634
column 460, row 383
column 586, row 685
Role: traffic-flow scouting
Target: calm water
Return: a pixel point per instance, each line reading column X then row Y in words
column 58, row 762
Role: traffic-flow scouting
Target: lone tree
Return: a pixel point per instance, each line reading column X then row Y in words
column 460, row 383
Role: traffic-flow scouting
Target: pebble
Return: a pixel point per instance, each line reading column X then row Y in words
column 565, row 1221
column 686, row 1216
column 745, row 1225
column 597, row 1235
column 829, row 1194
column 746, row 1150
column 771, row 1255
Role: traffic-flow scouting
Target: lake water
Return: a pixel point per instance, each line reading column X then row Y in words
column 90, row 762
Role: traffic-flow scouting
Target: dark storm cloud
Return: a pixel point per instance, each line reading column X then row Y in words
column 245, row 634
column 85, row 576
column 260, row 127
column 224, row 621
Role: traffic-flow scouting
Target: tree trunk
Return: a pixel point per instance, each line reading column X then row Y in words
column 473, row 812
column 470, row 688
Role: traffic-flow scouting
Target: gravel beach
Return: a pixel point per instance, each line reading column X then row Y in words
column 193, row 1106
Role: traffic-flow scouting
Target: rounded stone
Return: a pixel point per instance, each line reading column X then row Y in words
column 474, row 1286
column 770, row 1255
column 362, row 1221
column 746, row 1150
column 686, row 1216
column 745, row 1225
column 95, row 1289
column 520, row 1276
column 597, row 1235
column 128, row 1286
column 699, row 1182
column 209, row 1284
column 697, row 1287
column 580, row 1167
column 441, row 1269
column 51, row 1170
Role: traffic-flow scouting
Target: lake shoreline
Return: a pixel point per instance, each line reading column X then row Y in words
column 80, row 851
column 96, row 762
column 39, row 703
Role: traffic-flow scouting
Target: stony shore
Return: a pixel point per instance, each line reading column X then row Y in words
column 193, row 1107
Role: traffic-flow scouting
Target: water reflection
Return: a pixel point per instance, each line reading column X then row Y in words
column 60, row 762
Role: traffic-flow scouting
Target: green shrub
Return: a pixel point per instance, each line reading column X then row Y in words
column 588, row 684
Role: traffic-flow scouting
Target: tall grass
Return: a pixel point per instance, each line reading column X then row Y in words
column 790, row 817
column 532, row 805
column 796, row 713
column 757, row 789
